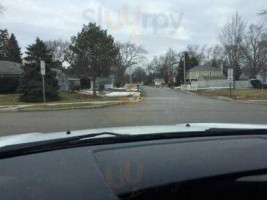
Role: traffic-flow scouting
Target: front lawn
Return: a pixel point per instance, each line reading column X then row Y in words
column 9, row 99
column 238, row 94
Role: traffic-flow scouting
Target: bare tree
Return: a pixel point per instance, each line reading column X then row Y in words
column 231, row 37
column 59, row 49
column 139, row 75
column 171, row 66
column 255, row 49
column 214, row 56
column 130, row 55
column 155, row 67
column 197, row 52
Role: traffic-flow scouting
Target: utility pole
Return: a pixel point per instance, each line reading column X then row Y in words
column 184, row 70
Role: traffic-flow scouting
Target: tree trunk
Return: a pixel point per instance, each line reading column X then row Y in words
column 94, row 88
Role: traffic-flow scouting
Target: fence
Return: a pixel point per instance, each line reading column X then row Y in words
column 214, row 84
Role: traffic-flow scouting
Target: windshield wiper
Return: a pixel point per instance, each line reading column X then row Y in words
column 233, row 132
column 95, row 139
column 96, row 135
column 42, row 146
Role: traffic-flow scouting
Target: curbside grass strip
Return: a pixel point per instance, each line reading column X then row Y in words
column 68, row 108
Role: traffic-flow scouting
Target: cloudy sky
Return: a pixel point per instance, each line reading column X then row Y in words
column 156, row 24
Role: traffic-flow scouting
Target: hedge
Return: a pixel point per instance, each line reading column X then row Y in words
column 257, row 84
column 9, row 85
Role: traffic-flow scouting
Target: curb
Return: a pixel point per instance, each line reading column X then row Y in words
column 225, row 98
column 70, row 108
column 187, row 92
column 9, row 110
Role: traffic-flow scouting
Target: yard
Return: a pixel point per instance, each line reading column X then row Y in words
column 238, row 94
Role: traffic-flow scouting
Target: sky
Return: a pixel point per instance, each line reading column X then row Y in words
column 157, row 25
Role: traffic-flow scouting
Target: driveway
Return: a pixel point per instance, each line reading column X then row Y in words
column 161, row 106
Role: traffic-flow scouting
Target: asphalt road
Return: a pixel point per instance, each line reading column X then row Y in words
column 161, row 106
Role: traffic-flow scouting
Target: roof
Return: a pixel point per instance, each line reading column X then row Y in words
column 104, row 80
column 56, row 70
column 10, row 68
column 244, row 77
column 204, row 68
column 74, row 79
column 262, row 72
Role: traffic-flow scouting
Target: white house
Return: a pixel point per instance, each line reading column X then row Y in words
column 202, row 72
column 104, row 83
column 159, row 82
column 262, row 76
column 66, row 83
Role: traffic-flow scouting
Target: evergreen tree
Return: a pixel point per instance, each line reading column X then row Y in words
column 95, row 53
column 4, row 37
column 13, row 50
column 31, row 81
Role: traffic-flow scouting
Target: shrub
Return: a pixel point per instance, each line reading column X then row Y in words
column 257, row 84
column 75, row 87
column 9, row 85
column 35, row 93
column 85, row 83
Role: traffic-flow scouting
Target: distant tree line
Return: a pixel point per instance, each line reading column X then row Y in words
column 240, row 46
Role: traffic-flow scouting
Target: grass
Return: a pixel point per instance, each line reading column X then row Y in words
column 9, row 99
column 238, row 94
column 65, row 97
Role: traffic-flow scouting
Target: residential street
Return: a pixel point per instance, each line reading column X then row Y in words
column 161, row 106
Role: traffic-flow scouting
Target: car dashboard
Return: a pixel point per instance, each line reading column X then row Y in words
column 161, row 169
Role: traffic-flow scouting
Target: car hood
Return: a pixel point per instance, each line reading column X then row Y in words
column 137, row 130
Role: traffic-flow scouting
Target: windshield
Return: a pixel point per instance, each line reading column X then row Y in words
column 144, row 99
column 83, row 65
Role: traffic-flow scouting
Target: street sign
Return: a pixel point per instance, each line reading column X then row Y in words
column 230, row 75
column 42, row 67
column 42, row 64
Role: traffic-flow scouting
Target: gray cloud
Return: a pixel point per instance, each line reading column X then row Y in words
column 150, row 23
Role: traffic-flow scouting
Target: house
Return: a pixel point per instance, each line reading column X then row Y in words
column 10, row 69
column 66, row 83
column 74, row 83
column 262, row 76
column 243, row 76
column 62, row 79
column 159, row 82
column 104, row 83
column 203, row 72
